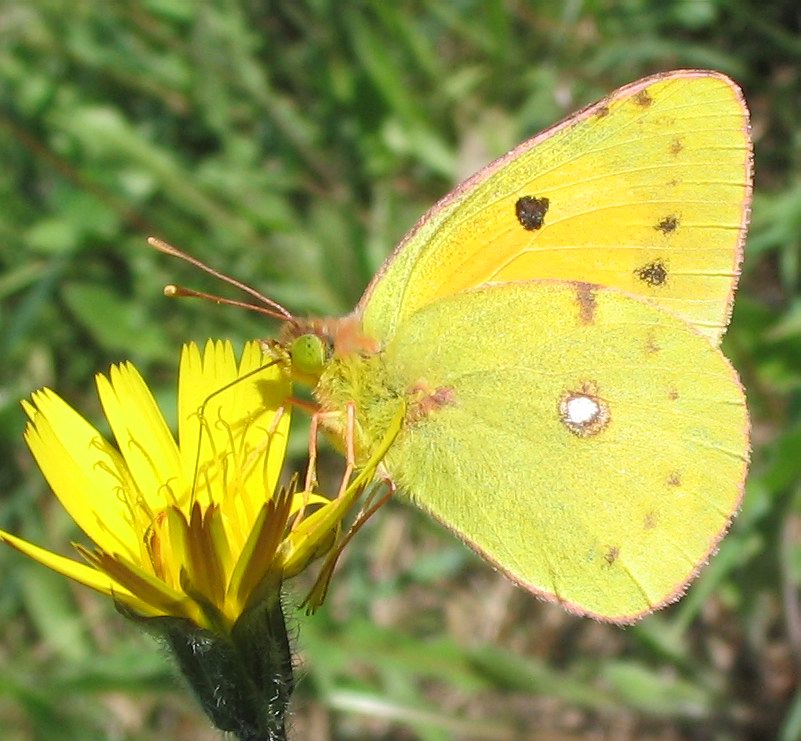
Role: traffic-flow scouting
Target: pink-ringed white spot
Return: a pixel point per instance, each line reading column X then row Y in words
column 584, row 414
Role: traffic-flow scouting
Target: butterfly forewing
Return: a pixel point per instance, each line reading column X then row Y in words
column 647, row 190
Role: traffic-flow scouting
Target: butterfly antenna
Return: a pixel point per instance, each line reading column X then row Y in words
column 274, row 309
column 174, row 291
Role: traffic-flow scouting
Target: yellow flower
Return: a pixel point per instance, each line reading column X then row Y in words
column 195, row 529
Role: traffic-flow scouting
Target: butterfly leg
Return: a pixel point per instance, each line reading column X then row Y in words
column 319, row 418
column 350, row 448
column 306, row 406
column 311, row 469
column 317, row 594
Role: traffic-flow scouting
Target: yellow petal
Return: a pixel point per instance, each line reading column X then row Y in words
column 78, row 572
column 160, row 597
column 203, row 563
column 83, row 470
column 274, row 389
column 238, row 405
column 142, row 435
column 219, row 540
column 307, row 499
column 256, row 559
column 200, row 379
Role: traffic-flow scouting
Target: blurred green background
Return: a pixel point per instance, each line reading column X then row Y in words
column 291, row 144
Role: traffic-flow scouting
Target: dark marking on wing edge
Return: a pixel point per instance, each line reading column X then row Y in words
column 668, row 225
column 676, row 146
column 602, row 111
column 585, row 298
column 653, row 273
column 611, row 555
column 643, row 99
column 651, row 344
column 674, row 479
column 530, row 212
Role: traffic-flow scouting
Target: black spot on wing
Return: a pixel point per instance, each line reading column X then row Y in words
column 653, row 273
column 668, row 225
column 530, row 212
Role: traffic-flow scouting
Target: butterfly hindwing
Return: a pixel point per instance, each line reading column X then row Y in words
column 583, row 461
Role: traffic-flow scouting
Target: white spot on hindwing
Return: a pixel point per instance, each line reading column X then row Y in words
column 583, row 412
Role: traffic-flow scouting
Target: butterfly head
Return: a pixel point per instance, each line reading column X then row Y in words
column 309, row 345
column 309, row 354
column 305, row 346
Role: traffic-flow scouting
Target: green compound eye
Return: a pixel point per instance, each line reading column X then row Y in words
column 308, row 354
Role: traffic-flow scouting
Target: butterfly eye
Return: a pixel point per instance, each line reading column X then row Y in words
column 309, row 354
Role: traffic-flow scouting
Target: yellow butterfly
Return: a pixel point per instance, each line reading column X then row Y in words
column 548, row 333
